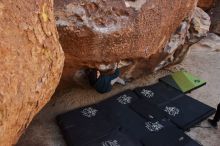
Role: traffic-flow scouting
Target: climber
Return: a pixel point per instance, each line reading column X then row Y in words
column 214, row 122
column 103, row 81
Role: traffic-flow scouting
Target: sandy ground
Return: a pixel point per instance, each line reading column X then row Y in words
column 203, row 61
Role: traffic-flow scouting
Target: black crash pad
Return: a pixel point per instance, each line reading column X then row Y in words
column 158, row 93
column 85, row 124
column 113, row 119
column 150, row 131
column 118, row 110
column 116, row 138
column 186, row 112
column 121, row 113
column 147, row 110
column 168, row 135
column 122, row 99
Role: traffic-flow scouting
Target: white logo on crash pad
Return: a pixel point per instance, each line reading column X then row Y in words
column 89, row 112
column 110, row 143
column 124, row 99
column 153, row 127
column 173, row 111
column 147, row 93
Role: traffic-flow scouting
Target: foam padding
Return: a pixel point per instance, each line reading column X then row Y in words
column 158, row 93
column 122, row 120
column 149, row 130
column 186, row 112
column 85, row 124
column 121, row 113
column 147, row 110
column 115, row 138
column 168, row 135
column 122, row 99
column 183, row 81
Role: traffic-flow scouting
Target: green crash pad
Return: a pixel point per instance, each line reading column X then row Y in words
column 183, row 81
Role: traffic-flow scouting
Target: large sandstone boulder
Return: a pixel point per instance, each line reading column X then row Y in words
column 102, row 32
column 31, row 62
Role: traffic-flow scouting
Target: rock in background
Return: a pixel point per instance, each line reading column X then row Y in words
column 200, row 25
column 215, row 17
column 103, row 32
column 31, row 62
column 212, row 42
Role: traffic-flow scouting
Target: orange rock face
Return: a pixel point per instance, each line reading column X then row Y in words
column 94, row 32
column 206, row 4
column 31, row 62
